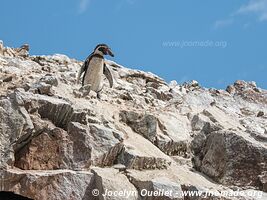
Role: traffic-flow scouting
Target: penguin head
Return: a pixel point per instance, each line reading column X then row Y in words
column 103, row 49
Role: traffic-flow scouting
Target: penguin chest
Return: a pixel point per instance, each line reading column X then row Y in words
column 94, row 73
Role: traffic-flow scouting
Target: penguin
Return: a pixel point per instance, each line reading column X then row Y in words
column 93, row 67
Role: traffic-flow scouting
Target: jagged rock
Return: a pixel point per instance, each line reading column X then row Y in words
column 260, row 114
column 126, row 96
column 8, row 79
column 49, row 150
column 231, row 89
column 256, row 127
column 161, row 95
column 50, row 185
column 42, row 88
column 93, row 145
column 145, row 125
column 147, row 77
column 49, row 79
column 200, row 122
column 93, row 120
column 160, row 188
column 174, row 136
column 220, row 118
column 192, row 85
column 120, row 167
column 57, row 111
column 84, row 91
column 142, row 154
column 109, row 182
column 250, row 92
column 232, row 158
column 11, row 128
column 23, row 51
column 133, row 159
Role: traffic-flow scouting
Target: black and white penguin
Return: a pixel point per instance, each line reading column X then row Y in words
column 94, row 67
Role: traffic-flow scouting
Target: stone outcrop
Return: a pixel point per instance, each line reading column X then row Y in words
column 145, row 139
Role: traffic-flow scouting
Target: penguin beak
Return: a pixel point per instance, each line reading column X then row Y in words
column 110, row 52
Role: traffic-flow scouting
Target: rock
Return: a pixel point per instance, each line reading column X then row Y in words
column 84, row 91
column 249, row 92
column 201, row 122
column 216, row 158
column 93, row 120
column 139, row 153
column 147, row 77
column 49, row 79
column 192, row 85
column 198, row 143
column 126, row 96
column 120, row 167
column 11, row 128
column 220, row 118
column 43, row 88
column 174, row 134
column 230, row 89
column 145, row 125
column 255, row 127
column 161, row 95
column 50, row 185
column 56, row 110
column 47, row 151
column 8, row 79
column 23, row 51
column 260, row 114
column 160, row 188
column 60, row 58
column 133, row 159
column 93, row 145
column 113, row 185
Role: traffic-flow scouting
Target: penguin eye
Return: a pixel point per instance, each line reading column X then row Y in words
column 102, row 49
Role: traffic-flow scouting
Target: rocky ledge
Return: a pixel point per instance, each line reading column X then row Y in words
column 57, row 142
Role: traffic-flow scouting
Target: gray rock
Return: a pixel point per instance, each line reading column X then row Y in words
column 47, row 151
column 11, row 128
column 232, row 158
column 109, row 182
column 160, row 188
column 145, row 125
column 93, row 145
column 50, row 185
column 49, row 79
column 132, row 159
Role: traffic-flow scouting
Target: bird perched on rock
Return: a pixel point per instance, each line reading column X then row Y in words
column 94, row 67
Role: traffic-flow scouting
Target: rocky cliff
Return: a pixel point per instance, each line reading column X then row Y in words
column 144, row 135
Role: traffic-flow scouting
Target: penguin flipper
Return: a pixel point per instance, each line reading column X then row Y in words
column 108, row 74
column 84, row 68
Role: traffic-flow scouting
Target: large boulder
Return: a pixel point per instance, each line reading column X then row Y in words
column 12, row 125
column 94, row 145
column 110, row 184
column 50, row 185
column 231, row 158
